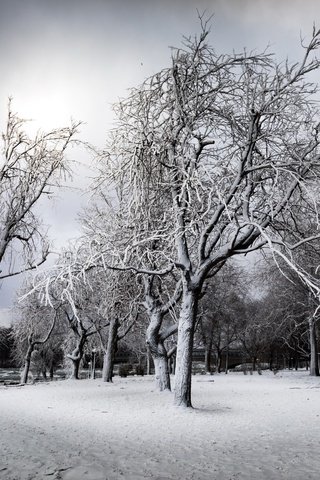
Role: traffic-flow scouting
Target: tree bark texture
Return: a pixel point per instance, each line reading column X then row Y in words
column 158, row 351
column 188, row 313
column 76, row 357
column 161, row 369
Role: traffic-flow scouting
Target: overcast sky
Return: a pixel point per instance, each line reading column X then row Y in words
column 74, row 58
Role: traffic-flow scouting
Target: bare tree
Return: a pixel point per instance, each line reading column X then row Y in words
column 224, row 146
column 30, row 168
column 122, row 311
column 82, row 330
column 295, row 308
column 84, row 305
column 105, row 228
column 96, row 302
column 214, row 157
column 32, row 329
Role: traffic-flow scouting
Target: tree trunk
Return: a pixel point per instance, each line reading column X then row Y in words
column 76, row 357
column 254, row 363
column 271, row 360
column 148, row 361
column 314, row 361
column 207, row 356
column 75, row 367
column 110, row 353
column 51, row 370
column 227, row 361
column 219, row 361
column 27, row 361
column 171, row 356
column 161, row 370
column 174, row 364
column 188, row 313
column 158, row 351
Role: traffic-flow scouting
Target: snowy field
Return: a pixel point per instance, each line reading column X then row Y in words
column 242, row 427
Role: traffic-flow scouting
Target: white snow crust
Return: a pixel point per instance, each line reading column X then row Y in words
column 242, row 427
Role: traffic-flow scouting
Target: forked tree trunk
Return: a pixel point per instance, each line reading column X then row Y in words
column 110, row 352
column 188, row 313
column 158, row 351
column 314, row 361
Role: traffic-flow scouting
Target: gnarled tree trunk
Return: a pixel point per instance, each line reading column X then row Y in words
column 158, row 350
column 161, row 368
column 76, row 357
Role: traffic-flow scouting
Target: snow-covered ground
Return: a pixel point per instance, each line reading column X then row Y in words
column 242, row 427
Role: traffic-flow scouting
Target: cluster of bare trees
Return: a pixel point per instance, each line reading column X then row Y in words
column 214, row 157
column 273, row 326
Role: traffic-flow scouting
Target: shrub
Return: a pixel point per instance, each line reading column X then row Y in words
column 124, row 370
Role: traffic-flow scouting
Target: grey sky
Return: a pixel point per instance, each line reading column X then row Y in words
column 74, row 58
